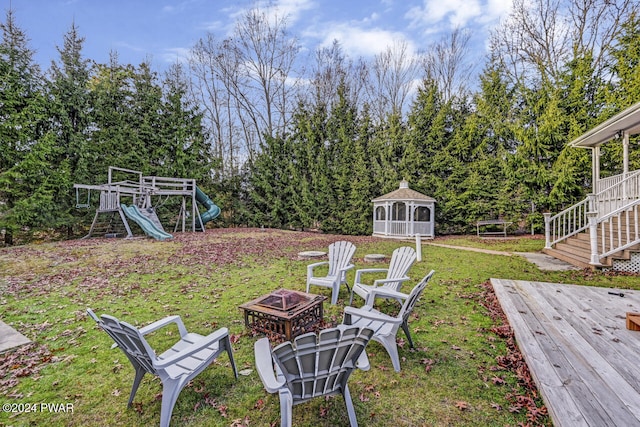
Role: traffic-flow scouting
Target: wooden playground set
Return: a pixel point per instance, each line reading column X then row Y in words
column 143, row 194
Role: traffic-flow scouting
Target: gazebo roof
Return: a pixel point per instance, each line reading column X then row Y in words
column 404, row 193
column 628, row 120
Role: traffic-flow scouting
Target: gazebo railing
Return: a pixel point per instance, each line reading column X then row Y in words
column 378, row 226
column 402, row 228
column 398, row 228
column 422, row 228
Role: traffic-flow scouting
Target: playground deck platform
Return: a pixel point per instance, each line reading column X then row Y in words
column 581, row 355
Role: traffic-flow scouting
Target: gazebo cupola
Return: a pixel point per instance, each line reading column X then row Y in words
column 404, row 213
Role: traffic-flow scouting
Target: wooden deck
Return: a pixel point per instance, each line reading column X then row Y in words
column 574, row 339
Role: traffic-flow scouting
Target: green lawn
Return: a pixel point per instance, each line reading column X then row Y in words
column 457, row 374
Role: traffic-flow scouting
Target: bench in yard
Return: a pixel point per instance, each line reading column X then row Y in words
column 489, row 227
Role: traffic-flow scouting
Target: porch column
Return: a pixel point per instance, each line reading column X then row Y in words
column 625, row 163
column 625, row 154
column 595, row 167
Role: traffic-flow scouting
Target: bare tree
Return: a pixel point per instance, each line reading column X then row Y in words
column 541, row 36
column 445, row 63
column 211, row 92
column 261, row 84
column 596, row 24
column 245, row 85
column 392, row 79
column 329, row 69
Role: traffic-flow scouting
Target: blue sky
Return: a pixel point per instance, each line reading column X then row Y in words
column 164, row 30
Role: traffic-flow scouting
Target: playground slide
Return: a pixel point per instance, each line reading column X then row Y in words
column 145, row 223
column 212, row 209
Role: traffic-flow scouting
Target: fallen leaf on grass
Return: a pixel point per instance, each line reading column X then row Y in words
column 259, row 405
column 223, row 411
column 324, row 411
column 241, row 422
column 497, row 381
column 462, row 405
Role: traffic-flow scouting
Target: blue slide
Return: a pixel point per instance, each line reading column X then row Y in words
column 212, row 209
column 145, row 223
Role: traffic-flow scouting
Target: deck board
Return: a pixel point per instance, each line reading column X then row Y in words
column 580, row 354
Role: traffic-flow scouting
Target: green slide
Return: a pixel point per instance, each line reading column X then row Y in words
column 212, row 209
column 145, row 223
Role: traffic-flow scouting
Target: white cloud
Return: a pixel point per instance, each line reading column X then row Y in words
column 496, row 10
column 292, row 9
column 457, row 13
column 289, row 9
column 176, row 54
column 357, row 41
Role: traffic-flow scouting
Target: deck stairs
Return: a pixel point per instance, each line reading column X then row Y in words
column 576, row 249
column 602, row 231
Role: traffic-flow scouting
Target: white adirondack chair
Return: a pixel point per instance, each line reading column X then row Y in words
column 313, row 366
column 176, row 366
column 340, row 254
column 386, row 327
column 401, row 261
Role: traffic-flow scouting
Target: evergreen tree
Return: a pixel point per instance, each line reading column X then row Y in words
column 359, row 211
column 309, row 166
column 148, row 150
column 270, row 184
column 22, row 124
column 625, row 65
column 69, row 109
column 342, row 128
column 183, row 135
column 625, row 92
column 386, row 148
column 114, row 139
column 489, row 131
column 582, row 100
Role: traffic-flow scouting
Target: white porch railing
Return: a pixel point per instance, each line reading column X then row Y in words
column 611, row 181
column 620, row 194
column 403, row 228
column 611, row 216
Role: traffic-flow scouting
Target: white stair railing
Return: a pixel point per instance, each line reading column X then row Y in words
column 567, row 223
column 611, row 216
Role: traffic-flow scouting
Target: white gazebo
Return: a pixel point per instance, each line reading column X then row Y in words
column 404, row 213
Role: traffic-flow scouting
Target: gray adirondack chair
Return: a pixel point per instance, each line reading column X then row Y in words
column 401, row 261
column 340, row 254
column 313, row 366
column 176, row 366
column 386, row 327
